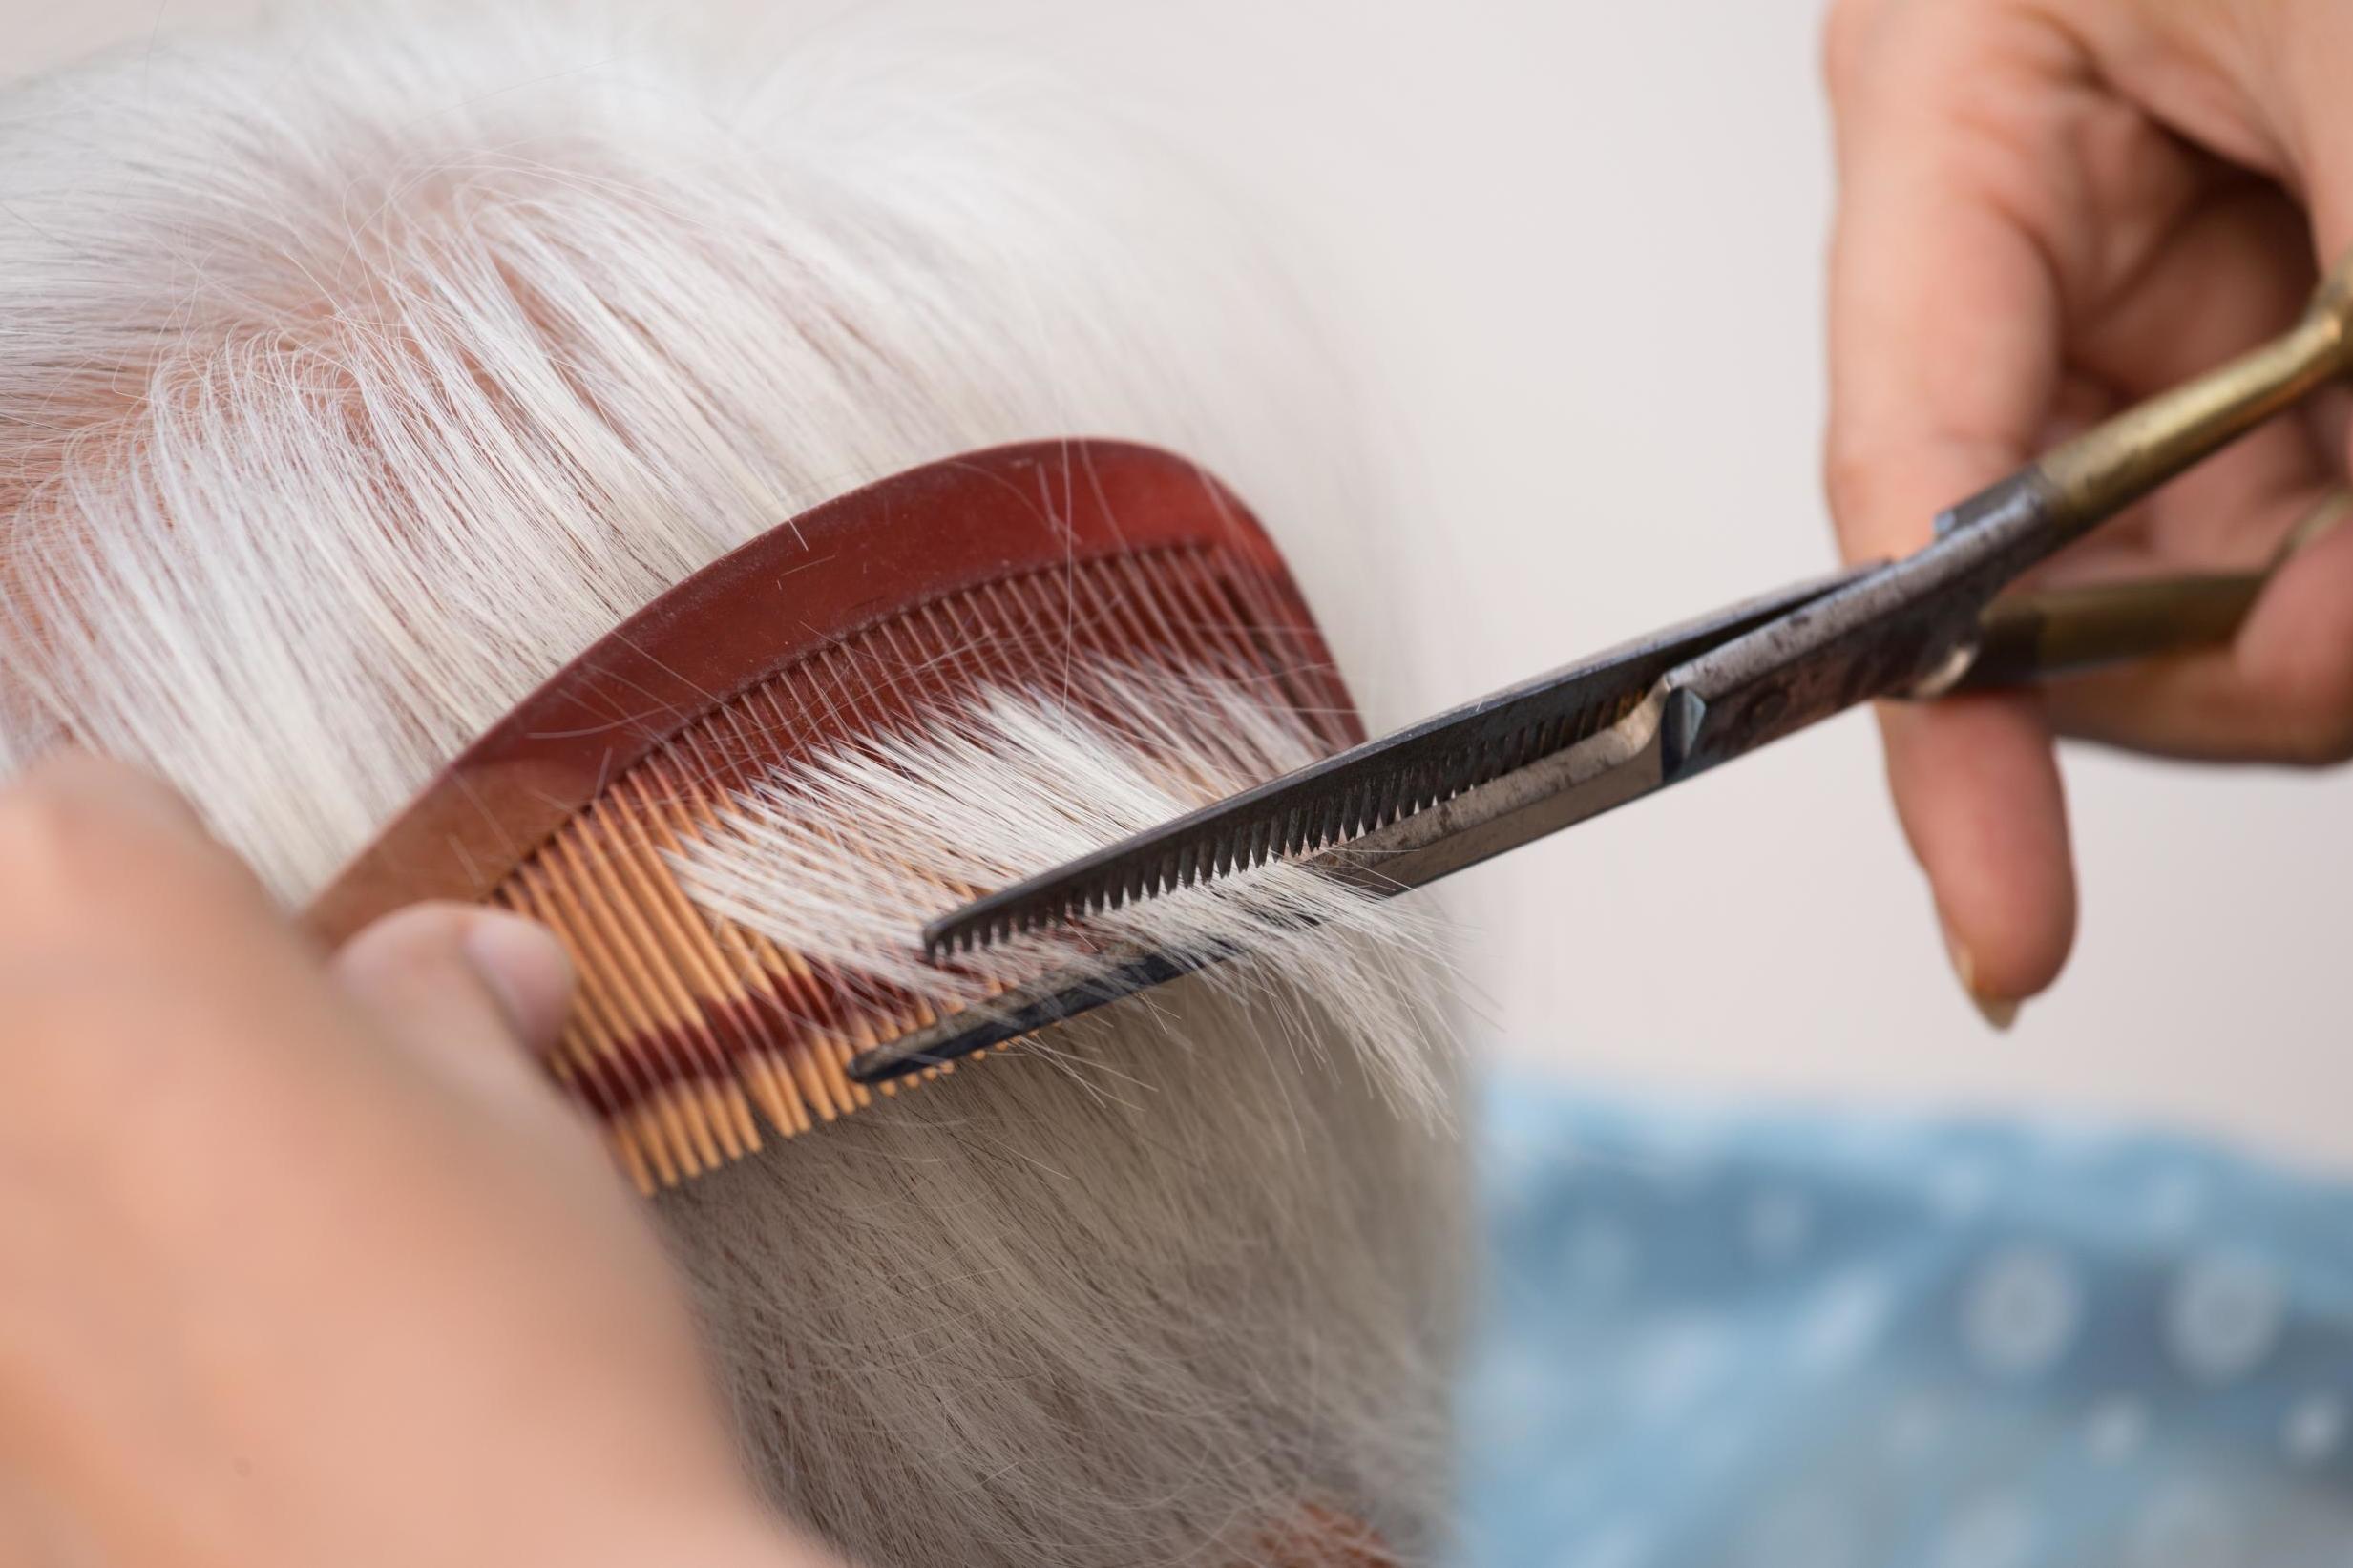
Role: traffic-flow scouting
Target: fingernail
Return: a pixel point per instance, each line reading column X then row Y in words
column 526, row 970
column 1999, row 1015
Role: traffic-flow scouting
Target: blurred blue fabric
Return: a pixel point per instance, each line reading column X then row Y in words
column 1746, row 1340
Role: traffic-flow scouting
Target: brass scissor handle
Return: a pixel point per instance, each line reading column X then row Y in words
column 2088, row 480
column 2060, row 631
column 2106, row 469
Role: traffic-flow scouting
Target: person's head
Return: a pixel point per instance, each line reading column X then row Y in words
column 352, row 381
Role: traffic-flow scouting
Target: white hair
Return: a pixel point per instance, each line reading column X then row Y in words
column 350, row 381
column 1060, row 777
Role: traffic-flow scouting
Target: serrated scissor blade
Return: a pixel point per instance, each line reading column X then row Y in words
column 1385, row 816
column 1621, row 764
column 1344, row 798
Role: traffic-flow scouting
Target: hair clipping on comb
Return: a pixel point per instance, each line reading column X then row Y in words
column 879, row 609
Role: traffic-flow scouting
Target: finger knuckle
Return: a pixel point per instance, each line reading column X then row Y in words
column 1846, row 28
column 2312, row 706
column 1839, row 40
column 1850, row 471
column 71, row 854
column 50, row 839
column 2321, row 738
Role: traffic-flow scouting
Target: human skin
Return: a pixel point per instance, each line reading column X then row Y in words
column 2050, row 209
column 301, row 1261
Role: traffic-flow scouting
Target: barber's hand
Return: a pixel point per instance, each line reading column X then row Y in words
column 301, row 1263
column 2050, row 209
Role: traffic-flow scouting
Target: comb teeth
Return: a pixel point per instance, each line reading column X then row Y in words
column 693, row 1033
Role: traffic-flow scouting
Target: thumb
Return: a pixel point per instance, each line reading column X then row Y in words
column 478, row 992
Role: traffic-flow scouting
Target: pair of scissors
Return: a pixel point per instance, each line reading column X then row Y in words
column 1518, row 765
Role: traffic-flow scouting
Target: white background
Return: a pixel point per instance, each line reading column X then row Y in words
column 1582, row 244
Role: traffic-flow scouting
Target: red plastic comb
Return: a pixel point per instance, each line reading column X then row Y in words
column 894, row 603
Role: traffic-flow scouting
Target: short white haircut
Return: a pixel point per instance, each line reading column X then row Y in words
column 352, row 379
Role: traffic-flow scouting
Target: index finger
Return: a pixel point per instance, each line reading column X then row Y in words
column 93, row 849
column 1946, row 318
column 1946, row 337
column 152, row 990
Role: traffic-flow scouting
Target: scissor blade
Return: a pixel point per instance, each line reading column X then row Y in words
column 1051, row 999
column 1605, row 770
column 1622, row 762
column 1342, row 799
